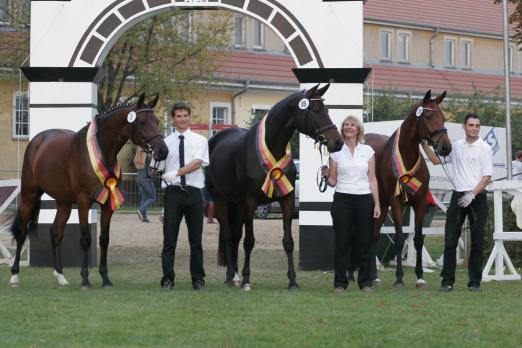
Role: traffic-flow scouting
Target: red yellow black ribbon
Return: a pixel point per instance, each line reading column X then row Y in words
column 405, row 179
column 276, row 183
column 108, row 177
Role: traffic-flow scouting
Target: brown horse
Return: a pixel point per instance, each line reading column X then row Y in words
column 236, row 176
column 406, row 182
column 61, row 163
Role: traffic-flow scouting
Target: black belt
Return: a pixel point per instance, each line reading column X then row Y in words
column 181, row 189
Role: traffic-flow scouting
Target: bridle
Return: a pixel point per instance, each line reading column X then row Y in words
column 316, row 133
column 146, row 142
column 432, row 134
column 433, row 143
column 318, row 136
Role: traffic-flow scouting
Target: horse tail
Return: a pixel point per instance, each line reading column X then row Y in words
column 16, row 227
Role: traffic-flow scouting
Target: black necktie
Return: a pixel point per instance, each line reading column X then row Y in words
column 182, row 159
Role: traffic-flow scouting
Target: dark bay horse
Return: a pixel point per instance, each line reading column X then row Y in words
column 403, row 175
column 82, row 168
column 239, row 179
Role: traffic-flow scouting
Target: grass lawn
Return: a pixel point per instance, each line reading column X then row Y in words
column 138, row 313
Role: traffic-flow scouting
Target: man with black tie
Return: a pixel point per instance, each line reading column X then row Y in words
column 182, row 181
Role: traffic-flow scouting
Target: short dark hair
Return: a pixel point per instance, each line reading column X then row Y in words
column 518, row 154
column 471, row 115
column 178, row 106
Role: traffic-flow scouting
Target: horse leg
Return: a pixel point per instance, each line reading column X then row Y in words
column 225, row 249
column 105, row 220
column 85, row 242
column 397, row 212
column 373, row 250
column 57, row 229
column 287, row 208
column 237, row 234
column 24, row 216
column 418, row 241
column 248, row 243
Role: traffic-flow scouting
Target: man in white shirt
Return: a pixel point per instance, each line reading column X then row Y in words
column 517, row 166
column 472, row 160
column 183, row 181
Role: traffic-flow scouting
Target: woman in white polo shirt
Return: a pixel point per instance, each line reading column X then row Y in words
column 355, row 203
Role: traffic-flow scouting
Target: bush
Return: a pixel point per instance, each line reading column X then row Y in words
column 514, row 249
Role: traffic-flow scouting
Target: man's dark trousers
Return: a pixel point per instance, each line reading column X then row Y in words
column 477, row 213
column 179, row 203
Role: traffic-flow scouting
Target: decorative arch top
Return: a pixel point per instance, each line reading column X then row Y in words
column 121, row 14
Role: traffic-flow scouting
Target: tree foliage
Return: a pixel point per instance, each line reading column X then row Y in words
column 515, row 18
column 14, row 37
column 170, row 54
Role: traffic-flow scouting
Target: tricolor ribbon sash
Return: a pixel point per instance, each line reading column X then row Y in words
column 405, row 179
column 276, row 183
column 108, row 177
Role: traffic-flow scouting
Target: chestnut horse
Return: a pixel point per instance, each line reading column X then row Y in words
column 403, row 175
column 82, row 168
column 239, row 180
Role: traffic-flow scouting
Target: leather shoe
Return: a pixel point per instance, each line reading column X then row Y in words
column 167, row 285
column 475, row 288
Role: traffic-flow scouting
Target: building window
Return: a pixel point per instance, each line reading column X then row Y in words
column 239, row 31
column 403, row 46
column 20, row 115
column 4, row 12
column 259, row 111
column 219, row 115
column 259, row 36
column 465, row 49
column 385, row 44
column 449, row 52
column 185, row 26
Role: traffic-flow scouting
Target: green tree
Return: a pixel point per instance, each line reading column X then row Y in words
column 515, row 17
column 388, row 107
column 171, row 53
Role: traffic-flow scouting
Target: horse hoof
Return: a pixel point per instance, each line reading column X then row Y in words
column 237, row 283
column 15, row 281
column 108, row 286
column 293, row 287
column 421, row 284
column 86, row 287
column 399, row 285
column 60, row 278
column 246, row 287
column 229, row 284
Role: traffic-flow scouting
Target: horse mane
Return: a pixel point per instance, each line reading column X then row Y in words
column 279, row 105
column 113, row 108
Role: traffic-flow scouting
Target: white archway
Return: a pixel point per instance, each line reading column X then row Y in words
column 70, row 39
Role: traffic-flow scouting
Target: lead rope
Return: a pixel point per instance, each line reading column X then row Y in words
column 321, row 180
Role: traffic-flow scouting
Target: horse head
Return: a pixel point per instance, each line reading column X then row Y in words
column 145, row 128
column 431, row 123
column 314, row 120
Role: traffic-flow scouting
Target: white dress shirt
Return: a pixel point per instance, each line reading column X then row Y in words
column 471, row 162
column 352, row 170
column 196, row 147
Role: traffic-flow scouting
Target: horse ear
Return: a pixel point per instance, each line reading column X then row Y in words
column 153, row 103
column 141, row 100
column 427, row 97
column 322, row 91
column 312, row 91
column 440, row 98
